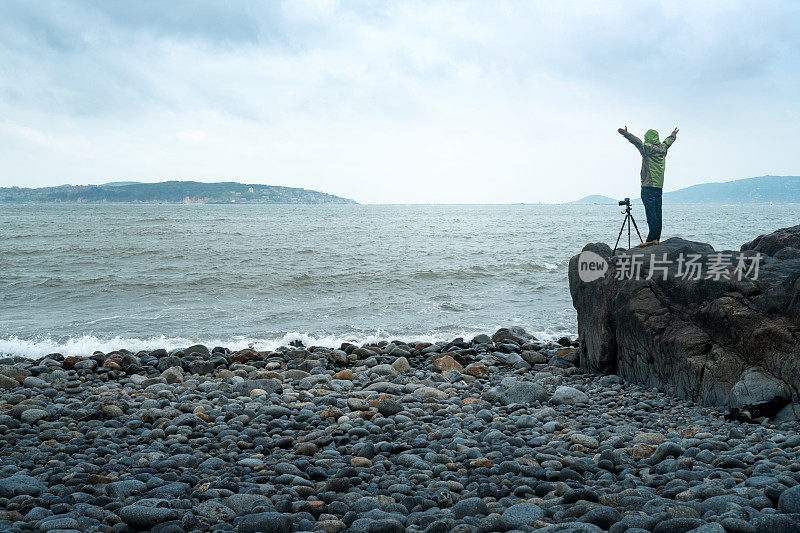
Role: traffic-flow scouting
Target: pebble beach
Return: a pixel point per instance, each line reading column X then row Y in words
column 493, row 433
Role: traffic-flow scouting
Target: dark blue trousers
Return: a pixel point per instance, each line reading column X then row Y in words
column 651, row 198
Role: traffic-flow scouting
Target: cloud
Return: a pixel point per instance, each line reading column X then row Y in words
column 192, row 136
column 399, row 100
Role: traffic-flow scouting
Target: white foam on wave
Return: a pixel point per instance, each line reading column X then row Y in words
column 87, row 344
column 83, row 345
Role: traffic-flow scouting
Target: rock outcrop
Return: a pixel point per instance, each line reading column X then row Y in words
column 728, row 336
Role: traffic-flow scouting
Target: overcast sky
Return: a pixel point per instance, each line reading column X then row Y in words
column 393, row 102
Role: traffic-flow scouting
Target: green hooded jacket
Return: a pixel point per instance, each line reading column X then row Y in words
column 654, row 154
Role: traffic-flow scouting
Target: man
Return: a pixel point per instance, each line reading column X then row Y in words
column 654, row 155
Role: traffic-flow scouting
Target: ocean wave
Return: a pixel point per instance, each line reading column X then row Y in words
column 473, row 272
column 85, row 345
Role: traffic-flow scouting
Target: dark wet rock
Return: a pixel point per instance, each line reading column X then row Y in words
column 197, row 349
column 711, row 340
column 145, row 517
column 397, row 450
column 775, row 242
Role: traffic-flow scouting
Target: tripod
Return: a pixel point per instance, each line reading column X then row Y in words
column 628, row 219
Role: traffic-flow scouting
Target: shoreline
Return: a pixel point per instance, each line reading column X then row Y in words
column 487, row 434
column 85, row 344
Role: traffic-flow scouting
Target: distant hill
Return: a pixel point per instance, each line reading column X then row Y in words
column 170, row 192
column 118, row 183
column 595, row 199
column 759, row 190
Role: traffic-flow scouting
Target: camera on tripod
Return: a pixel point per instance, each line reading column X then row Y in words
column 628, row 219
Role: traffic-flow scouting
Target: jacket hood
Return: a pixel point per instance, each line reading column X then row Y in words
column 651, row 137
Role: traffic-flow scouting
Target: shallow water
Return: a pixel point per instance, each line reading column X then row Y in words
column 75, row 278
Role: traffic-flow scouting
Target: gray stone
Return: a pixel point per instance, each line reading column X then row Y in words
column 481, row 339
column 755, row 387
column 201, row 367
column 678, row 525
column 711, row 527
column 272, row 386
column 120, row 490
column 313, row 381
column 569, row 396
column 470, row 507
column 145, row 517
column 197, row 349
column 664, row 450
column 584, row 440
column 389, row 407
column 719, row 504
column 777, row 523
column 572, row 527
column 525, row 392
column 86, row 364
column 269, row 522
column 7, row 382
column 533, row 357
column 215, row 511
column 58, row 523
column 245, row 502
column 372, row 525
column 789, row 501
column 522, row 514
column 170, row 490
column 33, row 382
column 384, row 371
column 15, row 372
column 401, row 364
column 31, row 416
column 603, row 517
column 20, row 484
column 790, row 413
column 611, row 380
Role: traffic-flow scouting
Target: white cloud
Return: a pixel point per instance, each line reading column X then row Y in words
column 192, row 136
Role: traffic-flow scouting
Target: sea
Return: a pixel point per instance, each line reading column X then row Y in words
column 78, row 278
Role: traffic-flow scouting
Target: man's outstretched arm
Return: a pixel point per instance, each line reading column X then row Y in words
column 634, row 140
column 671, row 139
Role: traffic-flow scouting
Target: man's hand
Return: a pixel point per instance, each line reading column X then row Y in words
column 624, row 130
column 675, row 131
